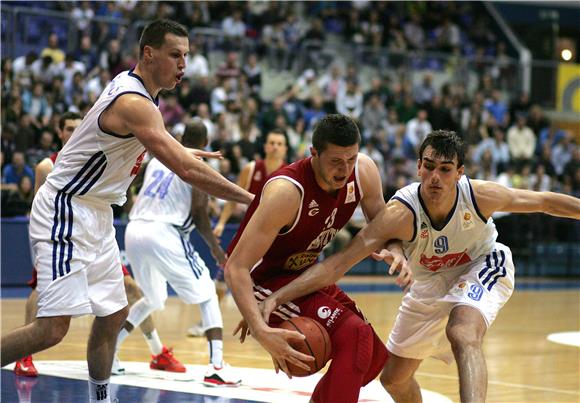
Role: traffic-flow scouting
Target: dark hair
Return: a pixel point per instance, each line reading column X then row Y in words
column 67, row 116
column 278, row 132
column 335, row 129
column 154, row 33
column 446, row 144
column 195, row 134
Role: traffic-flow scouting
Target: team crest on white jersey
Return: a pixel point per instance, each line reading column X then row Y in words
column 350, row 193
column 467, row 221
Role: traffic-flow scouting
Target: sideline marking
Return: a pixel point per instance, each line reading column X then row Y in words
column 567, row 338
column 257, row 384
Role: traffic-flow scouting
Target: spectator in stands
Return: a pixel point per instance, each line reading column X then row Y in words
column 424, row 92
column 497, row 108
column 15, row 170
column 196, row 64
column 69, row 67
column 331, row 83
column 253, row 73
column 234, row 29
column 83, row 16
column 19, row 201
column 350, row 101
column 406, row 109
column 170, row 109
column 571, row 176
column 44, row 149
column 229, row 68
column 112, row 58
column 413, row 31
column 87, row 54
column 536, row 119
column 521, row 104
column 22, row 69
column 44, row 70
column 219, row 97
column 96, row 85
column 550, row 135
column 448, row 35
column 35, row 104
column 498, row 149
column 562, row 154
column 521, row 141
column 204, row 115
column 393, row 128
column 417, row 129
column 52, row 50
column 540, row 181
column 439, row 116
column 75, row 91
column 373, row 117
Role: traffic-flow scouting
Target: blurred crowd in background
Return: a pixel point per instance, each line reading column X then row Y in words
column 510, row 139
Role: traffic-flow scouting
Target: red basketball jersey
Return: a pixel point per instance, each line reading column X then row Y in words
column 53, row 156
column 258, row 177
column 320, row 217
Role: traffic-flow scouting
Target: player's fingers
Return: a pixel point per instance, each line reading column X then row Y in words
column 284, row 367
column 395, row 266
column 292, row 335
column 298, row 360
column 378, row 256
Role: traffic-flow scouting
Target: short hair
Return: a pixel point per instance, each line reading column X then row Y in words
column 446, row 144
column 195, row 134
column 67, row 116
column 154, row 33
column 278, row 132
column 335, row 129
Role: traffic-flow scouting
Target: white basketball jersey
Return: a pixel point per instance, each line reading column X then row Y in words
column 97, row 164
column 466, row 235
column 164, row 197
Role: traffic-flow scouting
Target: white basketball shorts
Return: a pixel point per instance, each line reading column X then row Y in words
column 485, row 284
column 159, row 254
column 76, row 256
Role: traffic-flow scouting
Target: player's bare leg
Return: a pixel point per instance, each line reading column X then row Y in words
column 39, row 335
column 31, row 307
column 399, row 381
column 102, row 341
column 465, row 331
column 133, row 295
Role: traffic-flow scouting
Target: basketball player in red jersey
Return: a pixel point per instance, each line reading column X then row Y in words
column 68, row 122
column 300, row 209
column 252, row 178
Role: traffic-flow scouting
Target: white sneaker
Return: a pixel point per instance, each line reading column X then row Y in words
column 196, row 330
column 117, row 368
column 224, row 376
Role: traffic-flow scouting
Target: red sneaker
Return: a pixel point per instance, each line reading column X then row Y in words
column 25, row 367
column 166, row 361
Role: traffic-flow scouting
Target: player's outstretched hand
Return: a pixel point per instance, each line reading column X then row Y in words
column 218, row 230
column 276, row 342
column 199, row 154
column 397, row 263
column 243, row 328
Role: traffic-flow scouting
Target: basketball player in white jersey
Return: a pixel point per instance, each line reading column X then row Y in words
column 462, row 276
column 71, row 223
column 158, row 248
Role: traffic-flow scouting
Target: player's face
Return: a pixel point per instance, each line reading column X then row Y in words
column 168, row 62
column 69, row 127
column 438, row 175
column 334, row 165
column 275, row 146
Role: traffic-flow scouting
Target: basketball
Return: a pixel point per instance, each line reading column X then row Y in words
column 316, row 344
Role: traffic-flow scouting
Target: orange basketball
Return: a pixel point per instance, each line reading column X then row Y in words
column 316, row 344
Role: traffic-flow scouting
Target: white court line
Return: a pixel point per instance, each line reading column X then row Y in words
column 514, row 385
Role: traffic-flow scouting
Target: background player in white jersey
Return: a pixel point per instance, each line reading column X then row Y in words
column 158, row 248
column 462, row 276
column 71, row 223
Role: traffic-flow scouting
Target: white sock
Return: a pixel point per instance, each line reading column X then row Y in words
column 121, row 338
column 154, row 342
column 99, row 391
column 216, row 352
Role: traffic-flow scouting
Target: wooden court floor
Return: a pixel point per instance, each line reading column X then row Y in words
column 523, row 366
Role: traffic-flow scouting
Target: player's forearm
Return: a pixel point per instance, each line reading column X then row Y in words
column 561, row 205
column 203, row 226
column 206, row 179
column 241, row 287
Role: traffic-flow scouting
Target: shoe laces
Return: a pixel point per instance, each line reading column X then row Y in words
column 27, row 360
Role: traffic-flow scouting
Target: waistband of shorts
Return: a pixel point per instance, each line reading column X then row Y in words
column 94, row 201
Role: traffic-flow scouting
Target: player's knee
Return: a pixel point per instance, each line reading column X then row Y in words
column 356, row 337
column 463, row 335
column 392, row 379
column 53, row 330
column 132, row 290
